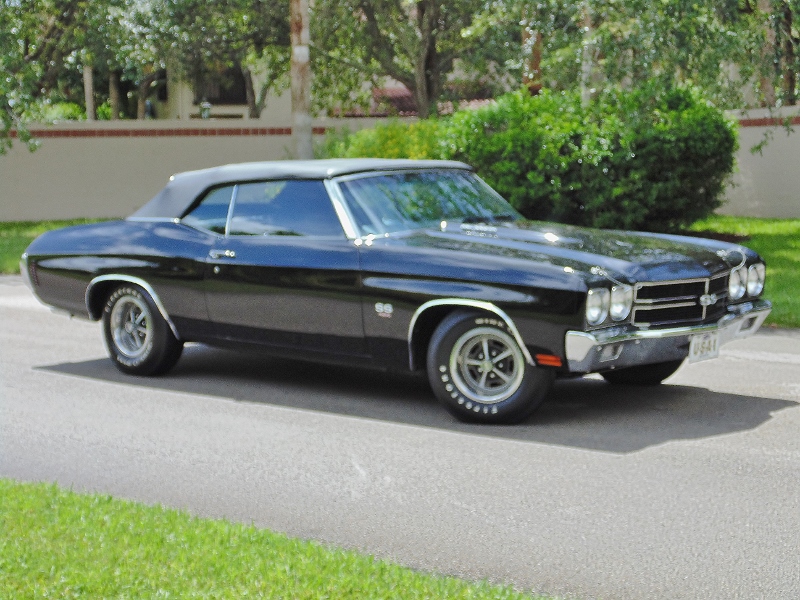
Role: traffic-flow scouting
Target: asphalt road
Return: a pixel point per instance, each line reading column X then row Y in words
column 690, row 490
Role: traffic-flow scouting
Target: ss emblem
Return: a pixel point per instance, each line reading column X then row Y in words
column 384, row 310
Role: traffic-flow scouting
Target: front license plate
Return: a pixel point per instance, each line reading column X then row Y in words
column 704, row 346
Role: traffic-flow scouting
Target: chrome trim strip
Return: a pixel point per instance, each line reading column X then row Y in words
column 231, row 208
column 643, row 284
column 340, row 206
column 140, row 282
column 24, row 270
column 670, row 299
column 479, row 304
column 173, row 220
column 670, row 305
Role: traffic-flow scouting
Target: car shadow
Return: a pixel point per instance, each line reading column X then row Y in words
column 583, row 413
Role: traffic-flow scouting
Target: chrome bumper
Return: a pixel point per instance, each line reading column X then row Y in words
column 588, row 352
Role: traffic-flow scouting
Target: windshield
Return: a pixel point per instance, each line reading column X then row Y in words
column 391, row 202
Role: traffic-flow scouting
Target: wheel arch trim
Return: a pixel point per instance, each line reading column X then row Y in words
column 465, row 302
column 129, row 279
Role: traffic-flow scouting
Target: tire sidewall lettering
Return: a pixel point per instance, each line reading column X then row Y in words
column 109, row 307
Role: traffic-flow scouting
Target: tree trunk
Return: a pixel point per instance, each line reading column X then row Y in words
column 789, row 76
column 587, row 58
column 426, row 72
column 253, row 110
column 302, row 129
column 88, row 92
column 532, row 76
column 143, row 93
column 113, row 95
column 767, row 52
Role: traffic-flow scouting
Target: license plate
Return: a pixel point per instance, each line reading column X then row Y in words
column 704, row 346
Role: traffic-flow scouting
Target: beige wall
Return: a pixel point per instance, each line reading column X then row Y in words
column 107, row 169
column 766, row 184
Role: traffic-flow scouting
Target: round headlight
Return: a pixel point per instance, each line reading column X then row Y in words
column 597, row 301
column 755, row 279
column 737, row 284
column 621, row 302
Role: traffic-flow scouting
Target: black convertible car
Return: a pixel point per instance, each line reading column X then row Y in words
column 396, row 264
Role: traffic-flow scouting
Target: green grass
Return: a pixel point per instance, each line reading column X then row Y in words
column 778, row 242
column 59, row 544
column 15, row 237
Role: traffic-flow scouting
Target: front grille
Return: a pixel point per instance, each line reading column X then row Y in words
column 684, row 302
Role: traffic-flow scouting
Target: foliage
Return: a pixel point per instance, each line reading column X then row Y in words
column 58, row 544
column 531, row 150
column 632, row 161
column 208, row 38
column 391, row 139
column 433, row 47
column 616, row 44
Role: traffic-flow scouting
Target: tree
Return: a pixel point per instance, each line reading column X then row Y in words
column 423, row 44
column 710, row 44
column 208, row 38
column 35, row 37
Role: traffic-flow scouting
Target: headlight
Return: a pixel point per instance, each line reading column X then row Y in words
column 737, row 284
column 597, row 301
column 755, row 279
column 621, row 302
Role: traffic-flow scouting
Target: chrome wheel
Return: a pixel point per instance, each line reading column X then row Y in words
column 131, row 326
column 487, row 365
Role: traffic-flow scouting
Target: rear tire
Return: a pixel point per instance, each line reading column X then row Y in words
column 478, row 371
column 139, row 340
column 643, row 375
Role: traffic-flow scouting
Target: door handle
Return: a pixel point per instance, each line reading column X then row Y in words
column 222, row 254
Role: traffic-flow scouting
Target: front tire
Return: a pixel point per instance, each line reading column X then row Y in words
column 643, row 375
column 478, row 371
column 139, row 340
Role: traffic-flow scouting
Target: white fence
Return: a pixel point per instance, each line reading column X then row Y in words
column 109, row 169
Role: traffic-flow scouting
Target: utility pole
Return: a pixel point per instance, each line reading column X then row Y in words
column 301, row 81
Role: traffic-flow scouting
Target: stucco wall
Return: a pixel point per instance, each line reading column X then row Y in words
column 106, row 169
column 766, row 184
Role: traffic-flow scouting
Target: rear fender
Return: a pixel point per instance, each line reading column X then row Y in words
column 95, row 296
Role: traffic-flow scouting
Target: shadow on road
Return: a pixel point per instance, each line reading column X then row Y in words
column 583, row 413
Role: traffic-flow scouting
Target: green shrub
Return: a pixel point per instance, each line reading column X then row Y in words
column 393, row 139
column 648, row 161
column 530, row 149
column 670, row 164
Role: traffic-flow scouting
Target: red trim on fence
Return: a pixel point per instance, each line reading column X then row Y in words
column 157, row 132
column 768, row 122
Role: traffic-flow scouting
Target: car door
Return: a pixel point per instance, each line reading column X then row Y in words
column 284, row 274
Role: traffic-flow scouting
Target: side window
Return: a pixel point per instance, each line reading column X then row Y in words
column 284, row 208
column 212, row 212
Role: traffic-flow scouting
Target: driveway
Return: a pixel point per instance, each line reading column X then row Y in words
column 688, row 490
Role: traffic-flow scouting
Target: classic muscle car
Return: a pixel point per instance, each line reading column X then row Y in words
column 396, row 264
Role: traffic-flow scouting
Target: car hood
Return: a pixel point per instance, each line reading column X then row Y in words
column 628, row 256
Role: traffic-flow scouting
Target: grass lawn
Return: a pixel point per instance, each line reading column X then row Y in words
column 777, row 240
column 59, row 544
column 15, row 237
